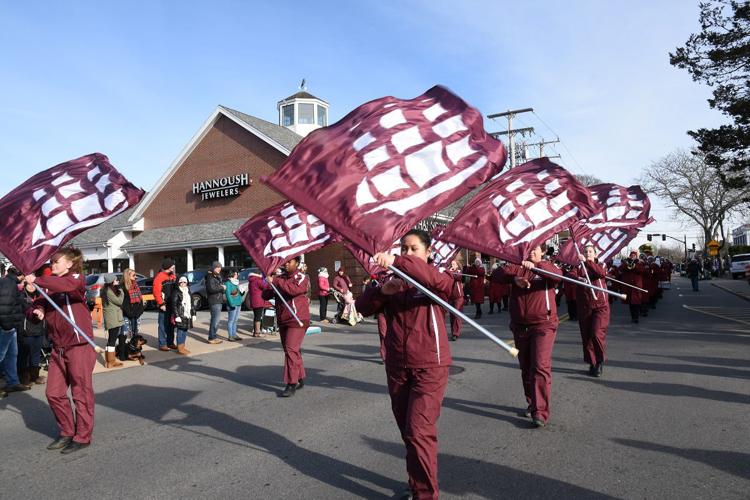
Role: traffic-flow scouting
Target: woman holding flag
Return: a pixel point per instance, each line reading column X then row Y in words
column 533, row 321
column 72, row 362
column 417, row 354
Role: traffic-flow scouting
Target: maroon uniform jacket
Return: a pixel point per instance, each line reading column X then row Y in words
column 633, row 277
column 416, row 336
column 68, row 292
column 535, row 305
column 498, row 290
column 342, row 284
column 255, row 286
column 294, row 290
column 476, row 285
column 586, row 302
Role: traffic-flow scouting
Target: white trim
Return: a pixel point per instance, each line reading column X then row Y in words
column 435, row 328
column 188, row 149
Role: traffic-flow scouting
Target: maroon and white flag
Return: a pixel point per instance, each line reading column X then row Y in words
column 607, row 241
column 389, row 164
column 443, row 252
column 50, row 208
column 521, row 208
column 366, row 260
column 281, row 233
column 624, row 211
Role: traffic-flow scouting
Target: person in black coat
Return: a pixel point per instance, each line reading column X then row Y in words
column 215, row 290
column 11, row 321
column 183, row 315
column 30, row 339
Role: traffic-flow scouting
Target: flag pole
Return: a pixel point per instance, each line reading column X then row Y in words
column 583, row 264
column 511, row 350
column 286, row 303
column 579, row 283
column 70, row 320
column 626, row 284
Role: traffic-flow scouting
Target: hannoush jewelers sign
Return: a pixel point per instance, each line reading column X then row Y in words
column 222, row 187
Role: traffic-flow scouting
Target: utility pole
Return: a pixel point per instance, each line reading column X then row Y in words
column 511, row 132
column 541, row 145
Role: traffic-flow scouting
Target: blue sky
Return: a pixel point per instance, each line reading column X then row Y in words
column 135, row 80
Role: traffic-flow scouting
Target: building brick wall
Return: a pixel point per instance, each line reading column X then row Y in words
column 227, row 149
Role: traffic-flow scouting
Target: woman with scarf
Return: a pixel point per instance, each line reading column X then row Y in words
column 132, row 305
column 234, row 303
column 183, row 314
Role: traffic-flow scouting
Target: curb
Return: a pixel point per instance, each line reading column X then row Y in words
column 738, row 294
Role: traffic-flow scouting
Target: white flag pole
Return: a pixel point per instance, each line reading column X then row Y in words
column 285, row 303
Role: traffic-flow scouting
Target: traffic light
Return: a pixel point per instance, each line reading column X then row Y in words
column 663, row 237
column 693, row 247
column 649, row 237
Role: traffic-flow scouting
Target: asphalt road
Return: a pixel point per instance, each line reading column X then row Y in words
column 669, row 419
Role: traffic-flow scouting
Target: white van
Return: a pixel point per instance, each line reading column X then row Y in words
column 740, row 263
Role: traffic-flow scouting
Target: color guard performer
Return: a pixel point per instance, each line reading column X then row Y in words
column 593, row 311
column 631, row 272
column 417, row 354
column 476, row 286
column 533, row 321
column 458, row 300
column 293, row 287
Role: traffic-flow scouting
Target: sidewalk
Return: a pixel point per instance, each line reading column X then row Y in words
column 740, row 287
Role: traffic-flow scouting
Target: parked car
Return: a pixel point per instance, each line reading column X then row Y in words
column 147, row 288
column 197, row 285
column 244, row 278
column 739, row 265
column 94, row 284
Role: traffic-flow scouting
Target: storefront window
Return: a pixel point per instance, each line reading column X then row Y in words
column 306, row 113
column 322, row 116
column 287, row 113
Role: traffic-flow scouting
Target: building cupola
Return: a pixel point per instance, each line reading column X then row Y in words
column 302, row 112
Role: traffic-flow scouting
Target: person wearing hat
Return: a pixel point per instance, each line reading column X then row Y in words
column 215, row 290
column 163, row 287
column 181, row 305
column 112, row 298
column 324, row 289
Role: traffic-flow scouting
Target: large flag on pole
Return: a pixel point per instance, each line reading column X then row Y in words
column 389, row 164
column 521, row 208
column 366, row 260
column 282, row 232
column 53, row 206
column 624, row 212
column 443, row 252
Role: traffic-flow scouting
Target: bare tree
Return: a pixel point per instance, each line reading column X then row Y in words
column 588, row 180
column 695, row 192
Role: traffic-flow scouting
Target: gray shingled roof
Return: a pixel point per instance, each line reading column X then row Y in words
column 103, row 232
column 280, row 134
column 302, row 95
column 191, row 235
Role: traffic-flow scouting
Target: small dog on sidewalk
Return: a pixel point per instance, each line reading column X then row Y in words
column 133, row 349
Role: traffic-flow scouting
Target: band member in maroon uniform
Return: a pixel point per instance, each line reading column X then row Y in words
column 72, row 362
column 458, row 300
column 476, row 286
column 533, row 321
column 631, row 272
column 571, row 299
column 293, row 287
column 496, row 289
column 593, row 311
column 418, row 355
column 651, row 281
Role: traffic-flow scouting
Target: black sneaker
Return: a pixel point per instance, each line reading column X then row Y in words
column 289, row 391
column 539, row 423
column 60, row 443
column 232, row 339
column 526, row 413
column 406, row 495
column 599, row 370
column 300, row 384
column 592, row 370
column 452, row 338
column 73, row 447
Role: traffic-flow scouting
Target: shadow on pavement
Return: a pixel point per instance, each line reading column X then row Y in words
column 731, row 462
column 674, row 390
column 462, row 476
column 36, row 414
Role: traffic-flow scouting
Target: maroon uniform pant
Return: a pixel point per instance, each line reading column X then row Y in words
column 457, row 322
column 593, row 326
column 416, row 398
column 291, row 341
column 534, row 344
column 71, row 367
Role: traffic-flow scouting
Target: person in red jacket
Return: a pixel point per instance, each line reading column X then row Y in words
column 593, row 311
column 476, row 286
column 72, row 361
column 164, row 285
column 324, row 290
column 458, row 299
column 631, row 271
column 254, row 300
column 533, row 321
column 417, row 354
column 293, row 287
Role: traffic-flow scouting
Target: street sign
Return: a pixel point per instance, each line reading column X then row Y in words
column 713, row 244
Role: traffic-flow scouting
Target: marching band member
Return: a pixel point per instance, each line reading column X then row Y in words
column 293, row 287
column 593, row 311
column 631, row 272
column 476, row 286
column 458, row 300
column 417, row 354
column 533, row 321
column 496, row 289
column 72, row 362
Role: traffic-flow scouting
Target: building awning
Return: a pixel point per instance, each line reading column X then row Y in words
column 189, row 236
